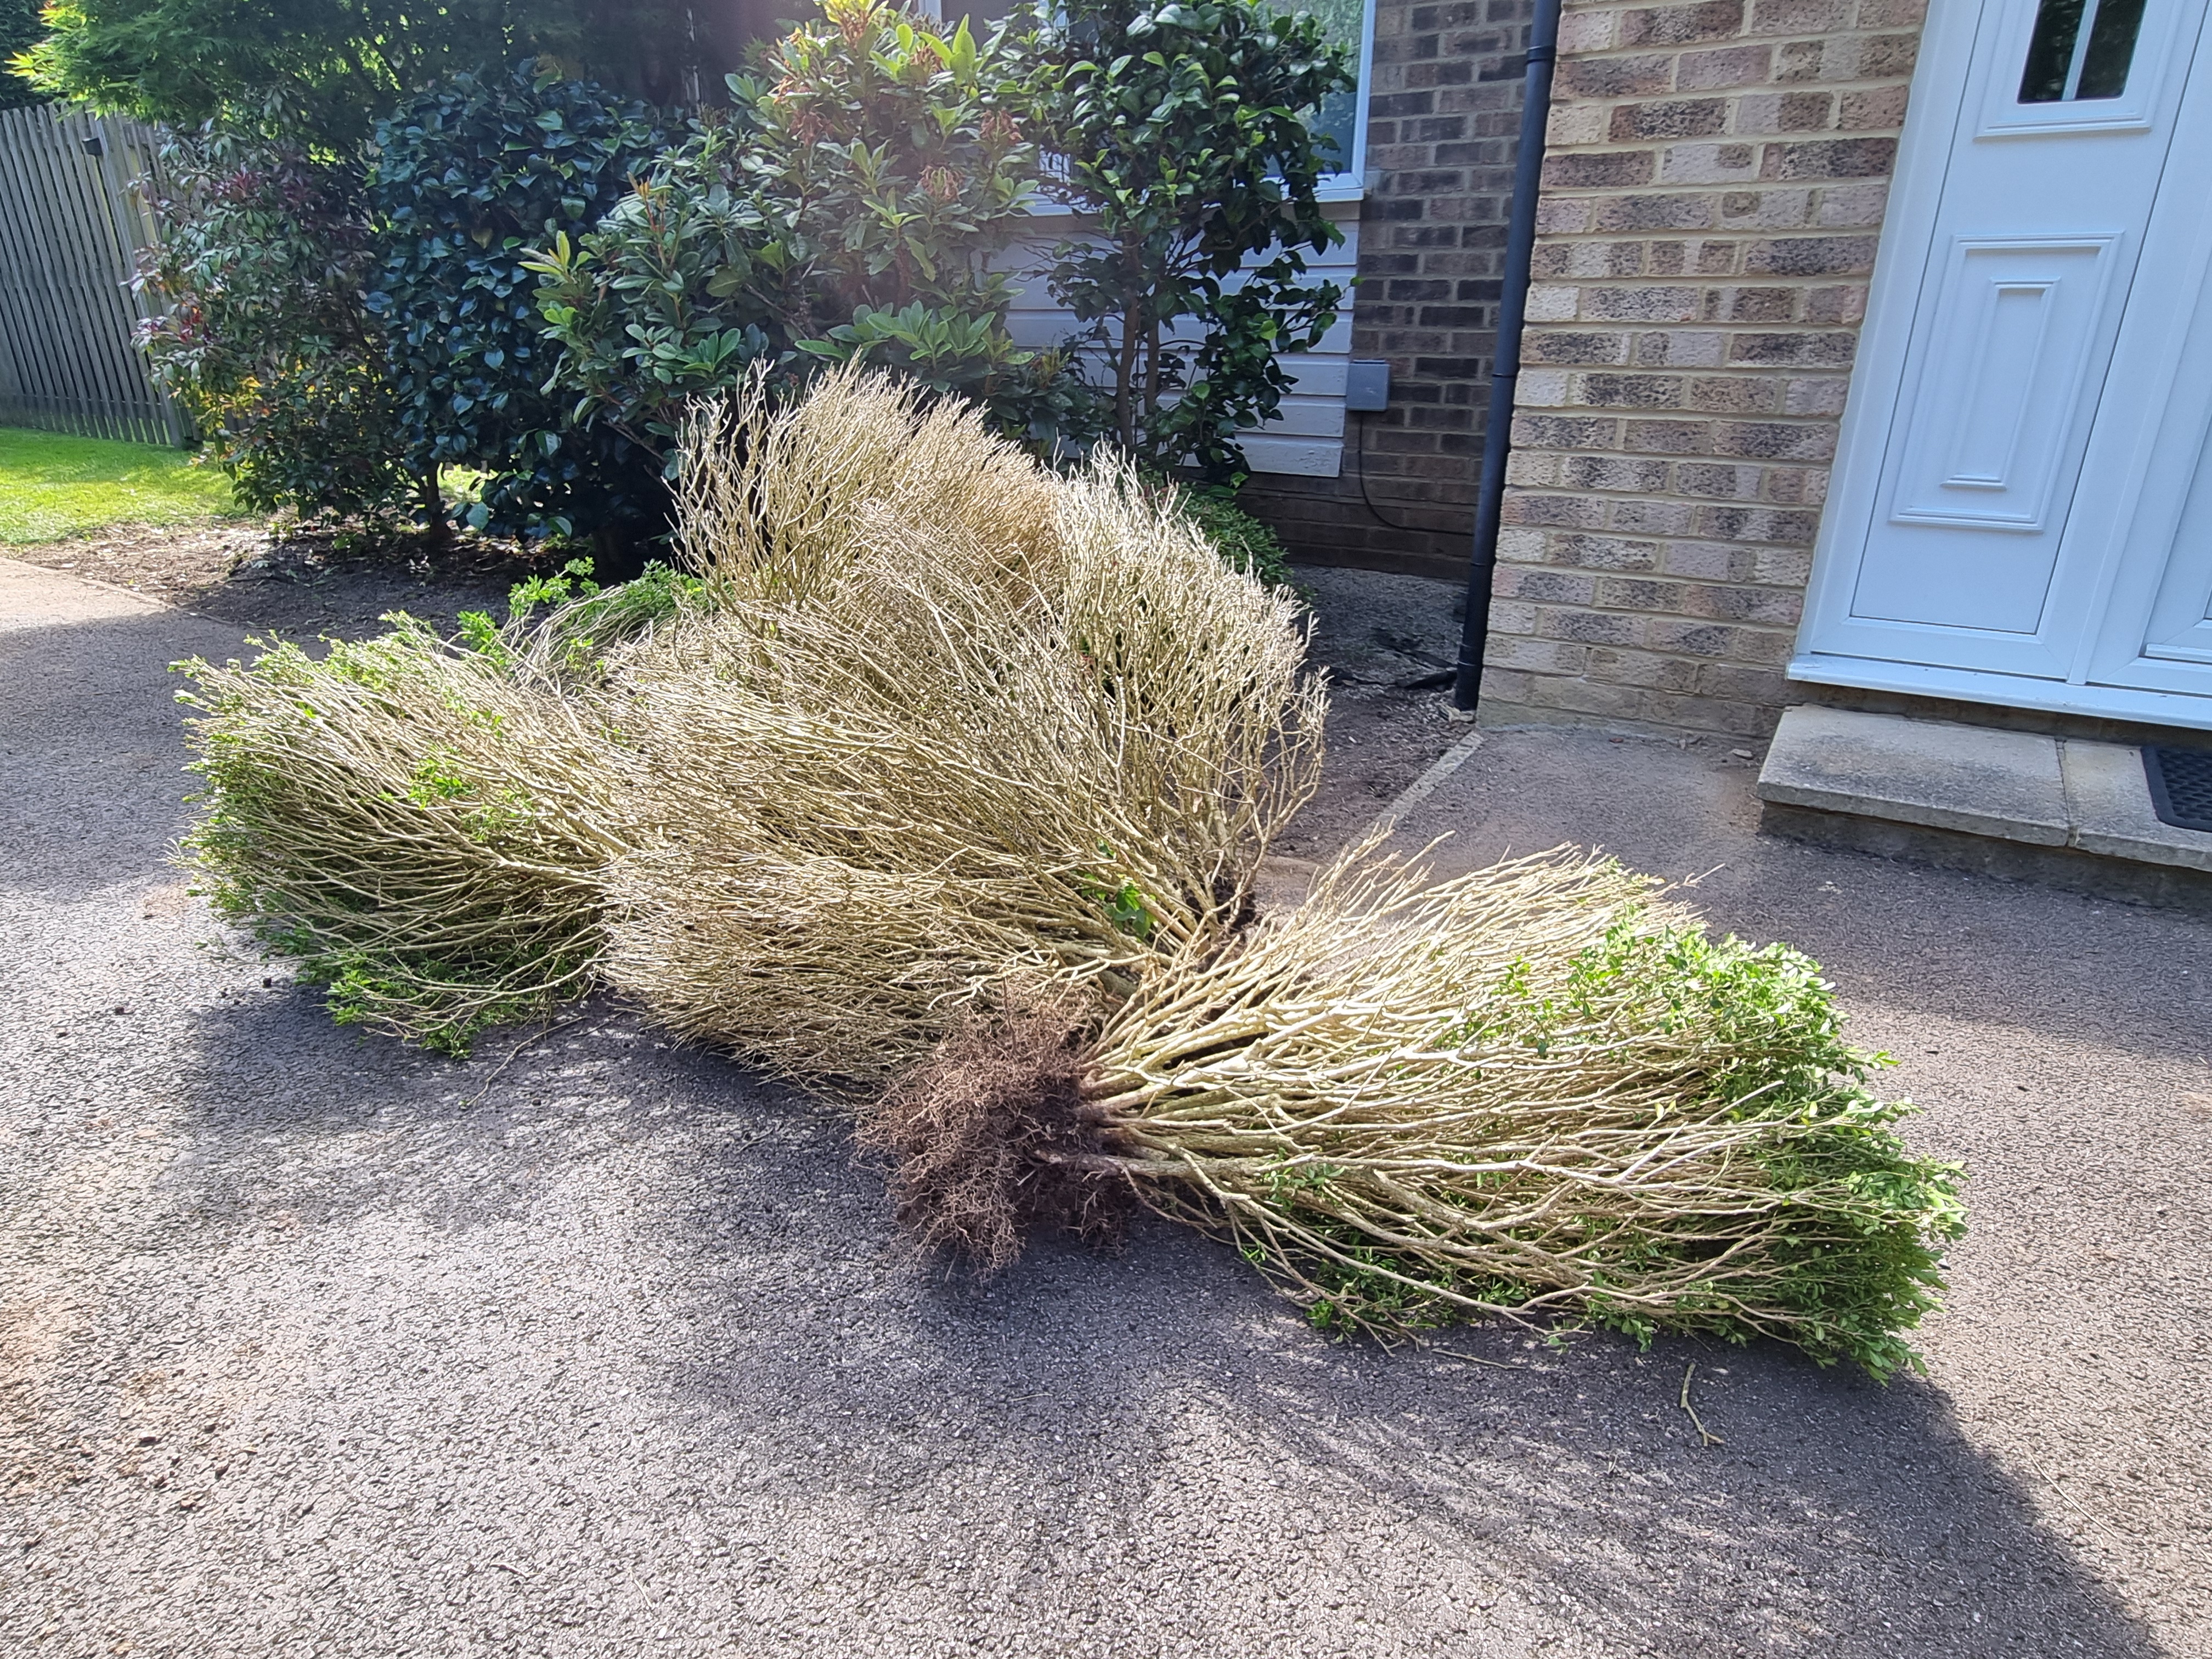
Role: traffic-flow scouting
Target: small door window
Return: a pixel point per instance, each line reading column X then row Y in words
column 2081, row 50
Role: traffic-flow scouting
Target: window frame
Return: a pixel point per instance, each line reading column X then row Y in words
column 1349, row 183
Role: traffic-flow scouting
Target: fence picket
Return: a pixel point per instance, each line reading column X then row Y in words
column 70, row 234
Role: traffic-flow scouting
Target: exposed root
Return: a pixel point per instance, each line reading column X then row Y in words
column 991, row 1142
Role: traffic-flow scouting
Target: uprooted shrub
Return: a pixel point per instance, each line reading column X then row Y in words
column 1531, row 1087
column 939, row 785
column 424, row 823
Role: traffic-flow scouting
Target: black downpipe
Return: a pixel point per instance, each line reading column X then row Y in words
column 1505, row 370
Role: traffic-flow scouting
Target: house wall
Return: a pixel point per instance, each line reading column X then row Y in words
column 1445, row 105
column 1714, row 188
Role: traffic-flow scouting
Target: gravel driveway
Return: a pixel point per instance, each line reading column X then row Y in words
column 317, row 1346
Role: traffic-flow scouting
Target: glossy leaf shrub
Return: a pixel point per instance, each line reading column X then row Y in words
column 467, row 180
column 849, row 208
column 1182, row 133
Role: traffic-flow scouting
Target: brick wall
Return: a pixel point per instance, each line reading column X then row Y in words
column 1445, row 106
column 1714, row 186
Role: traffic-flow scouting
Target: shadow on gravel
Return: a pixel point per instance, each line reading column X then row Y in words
column 1836, row 1511
column 760, row 1329
column 92, row 778
column 1839, row 1518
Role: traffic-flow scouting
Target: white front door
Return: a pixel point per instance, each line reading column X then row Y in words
column 2022, row 507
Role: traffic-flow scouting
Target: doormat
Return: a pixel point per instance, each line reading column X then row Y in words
column 2180, row 785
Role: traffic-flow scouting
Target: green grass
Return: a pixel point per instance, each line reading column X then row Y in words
column 53, row 485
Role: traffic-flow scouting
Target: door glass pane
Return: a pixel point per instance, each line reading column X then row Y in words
column 2112, row 48
column 2081, row 50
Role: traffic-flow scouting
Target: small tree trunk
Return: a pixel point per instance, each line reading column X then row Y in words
column 1152, row 388
column 1124, row 383
column 432, row 501
column 1125, row 366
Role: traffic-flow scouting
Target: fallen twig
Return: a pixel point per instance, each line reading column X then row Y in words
column 1705, row 1435
column 535, row 1036
column 1472, row 1359
column 2087, row 1520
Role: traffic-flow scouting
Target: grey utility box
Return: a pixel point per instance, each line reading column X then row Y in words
column 1366, row 385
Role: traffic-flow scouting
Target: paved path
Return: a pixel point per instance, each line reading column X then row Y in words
column 315, row 1346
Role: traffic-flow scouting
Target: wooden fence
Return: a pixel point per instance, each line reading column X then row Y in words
column 71, row 227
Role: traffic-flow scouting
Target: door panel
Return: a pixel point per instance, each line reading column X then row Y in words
column 2147, row 499
column 2157, row 632
column 1958, row 545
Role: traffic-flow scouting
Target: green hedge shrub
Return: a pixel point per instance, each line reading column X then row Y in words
column 260, row 334
column 467, row 180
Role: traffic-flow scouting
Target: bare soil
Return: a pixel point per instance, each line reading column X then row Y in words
column 298, row 584
column 1374, row 637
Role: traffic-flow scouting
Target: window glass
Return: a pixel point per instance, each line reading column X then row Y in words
column 982, row 16
column 2081, row 50
column 1344, row 23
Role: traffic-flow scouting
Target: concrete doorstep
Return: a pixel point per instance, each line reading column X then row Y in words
column 2019, row 804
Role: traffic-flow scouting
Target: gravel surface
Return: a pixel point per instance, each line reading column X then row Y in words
column 314, row 1345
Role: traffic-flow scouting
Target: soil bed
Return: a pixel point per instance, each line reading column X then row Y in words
column 300, row 584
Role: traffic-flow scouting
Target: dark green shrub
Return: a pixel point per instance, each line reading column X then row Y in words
column 1184, row 137
column 20, row 28
column 262, row 338
column 466, row 180
column 343, row 63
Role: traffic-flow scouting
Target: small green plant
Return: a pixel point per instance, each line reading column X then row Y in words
column 1182, row 133
column 896, row 168
column 673, row 294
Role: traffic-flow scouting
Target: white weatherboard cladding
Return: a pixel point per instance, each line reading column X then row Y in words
column 2022, row 512
column 1308, row 438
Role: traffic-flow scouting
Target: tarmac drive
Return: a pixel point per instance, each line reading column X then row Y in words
column 314, row 1344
